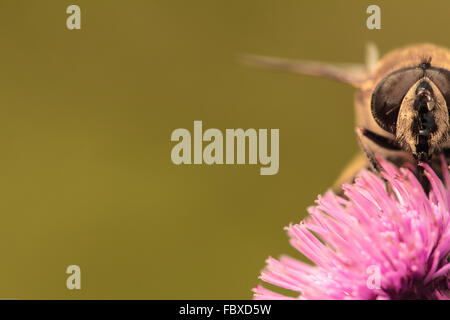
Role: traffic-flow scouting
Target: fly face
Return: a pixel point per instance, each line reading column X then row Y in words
column 412, row 105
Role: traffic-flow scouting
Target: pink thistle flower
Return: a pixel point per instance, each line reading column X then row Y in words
column 374, row 244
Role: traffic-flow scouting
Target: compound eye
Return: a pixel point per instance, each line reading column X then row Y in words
column 389, row 93
column 441, row 78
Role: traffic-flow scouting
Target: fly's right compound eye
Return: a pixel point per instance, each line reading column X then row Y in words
column 388, row 96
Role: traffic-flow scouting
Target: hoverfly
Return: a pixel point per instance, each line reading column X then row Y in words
column 401, row 105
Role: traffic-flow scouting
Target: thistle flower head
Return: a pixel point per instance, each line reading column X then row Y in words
column 373, row 244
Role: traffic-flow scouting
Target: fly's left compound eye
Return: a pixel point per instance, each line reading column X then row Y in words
column 389, row 93
column 441, row 78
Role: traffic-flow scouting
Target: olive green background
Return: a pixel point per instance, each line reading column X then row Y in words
column 85, row 122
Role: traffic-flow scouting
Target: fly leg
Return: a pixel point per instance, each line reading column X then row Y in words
column 383, row 142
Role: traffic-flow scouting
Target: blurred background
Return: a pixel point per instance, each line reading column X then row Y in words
column 86, row 117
